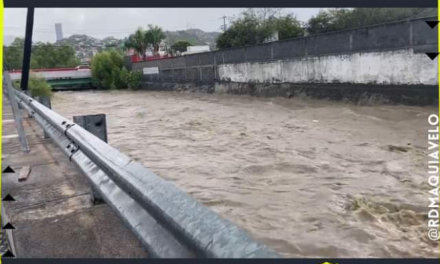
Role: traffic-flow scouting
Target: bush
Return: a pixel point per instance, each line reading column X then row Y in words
column 108, row 71
column 37, row 86
column 134, row 79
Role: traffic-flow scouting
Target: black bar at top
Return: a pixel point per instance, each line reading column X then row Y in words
column 223, row 3
column 27, row 49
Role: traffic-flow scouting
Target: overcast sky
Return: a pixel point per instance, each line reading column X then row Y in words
column 120, row 22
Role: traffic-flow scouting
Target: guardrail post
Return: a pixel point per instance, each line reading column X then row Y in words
column 16, row 112
column 97, row 125
column 45, row 100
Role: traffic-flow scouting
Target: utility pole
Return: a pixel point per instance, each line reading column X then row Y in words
column 27, row 49
column 224, row 23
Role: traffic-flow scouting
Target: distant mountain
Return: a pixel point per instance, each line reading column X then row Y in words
column 85, row 46
column 193, row 36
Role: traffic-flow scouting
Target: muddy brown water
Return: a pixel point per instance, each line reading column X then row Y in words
column 308, row 178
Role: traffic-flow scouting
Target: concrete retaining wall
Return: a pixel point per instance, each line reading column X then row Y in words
column 384, row 56
column 399, row 67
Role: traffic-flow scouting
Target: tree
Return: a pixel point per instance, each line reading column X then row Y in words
column 320, row 23
column 257, row 25
column 141, row 40
column 243, row 31
column 108, row 69
column 133, row 79
column 344, row 18
column 181, row 46
column 287, row 27
column 38, row 86
column 154, row 36
column 265, row 14
column 138, row 41
column 44, row 55
column 13, row 55
column 47, row 55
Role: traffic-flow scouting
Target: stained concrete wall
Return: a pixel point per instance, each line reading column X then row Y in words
column 386, row 54
column 391, row 67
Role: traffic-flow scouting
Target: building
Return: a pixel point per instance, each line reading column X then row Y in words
column 59, row 31
column 196, row 49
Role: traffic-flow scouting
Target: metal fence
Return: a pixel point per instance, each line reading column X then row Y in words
column 169, row 222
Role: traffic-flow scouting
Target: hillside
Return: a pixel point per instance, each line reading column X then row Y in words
column 85, row 46
column 193, row 36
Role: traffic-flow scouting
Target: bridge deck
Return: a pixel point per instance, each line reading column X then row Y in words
column 53, row 214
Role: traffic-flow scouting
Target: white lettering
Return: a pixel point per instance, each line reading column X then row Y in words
column 433, row 181
column 431, row 118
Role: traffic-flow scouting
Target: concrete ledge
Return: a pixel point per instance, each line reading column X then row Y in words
column 357, row 93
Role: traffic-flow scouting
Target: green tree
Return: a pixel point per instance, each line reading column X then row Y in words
column 287, row 27
column 138, row 41
column 256, row 25
column 141, row 40
column 181, row 46
column 243, row 31
column 108, row 70
column 47, row 55
column 13, row 55
column 133, row 79
column 154, row 36
column 44, row 55
column 344, row 18
column 320, row 23
column 37, row 86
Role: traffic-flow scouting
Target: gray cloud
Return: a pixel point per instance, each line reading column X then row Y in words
column 120, row 22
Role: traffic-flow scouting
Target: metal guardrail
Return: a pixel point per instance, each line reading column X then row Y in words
column 169, row 222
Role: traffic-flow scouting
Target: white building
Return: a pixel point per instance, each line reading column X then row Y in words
column 196, row 49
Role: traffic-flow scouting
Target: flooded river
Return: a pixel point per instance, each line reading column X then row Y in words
column 308, row 178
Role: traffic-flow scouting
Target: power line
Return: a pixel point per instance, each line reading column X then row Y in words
column 224, row 23
column 101, row 32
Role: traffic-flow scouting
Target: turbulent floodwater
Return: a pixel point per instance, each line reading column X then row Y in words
column 308, row 178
